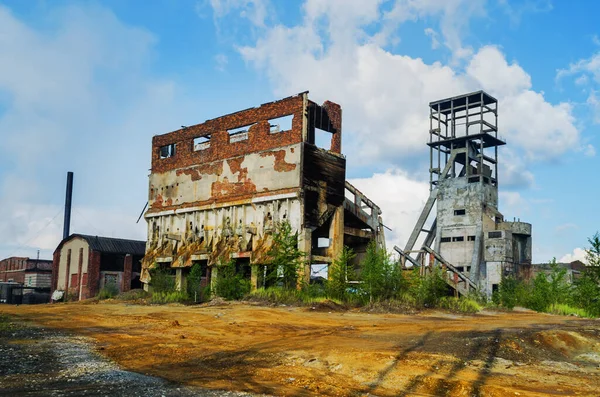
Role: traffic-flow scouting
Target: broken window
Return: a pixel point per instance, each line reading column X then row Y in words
column 494, row 234
column 323, row 242
column 470, row 238
column 201, row 143
column 459, row 238
column 281, row 124
column 322, row 139
column 167, row 151
column 239, row 133
column 445, row 240
column 459, row 212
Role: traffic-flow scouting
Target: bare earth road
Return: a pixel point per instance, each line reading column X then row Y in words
column 308, row 352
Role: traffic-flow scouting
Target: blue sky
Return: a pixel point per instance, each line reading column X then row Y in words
column 85, row 85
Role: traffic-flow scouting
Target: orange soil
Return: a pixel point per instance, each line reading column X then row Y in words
column 299, row 351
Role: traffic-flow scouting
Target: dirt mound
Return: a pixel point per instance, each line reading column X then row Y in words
column 327, row 306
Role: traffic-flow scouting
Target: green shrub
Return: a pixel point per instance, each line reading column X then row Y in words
column 230, row 285
column 161, row 280
column 566, row 310
column 427, row 290
column 195, row 290
column 339, row 273
column 110, row 290
column 459, row 305
column 286, row 260
column 292, row 297
column 133, row 295
column 169, row 297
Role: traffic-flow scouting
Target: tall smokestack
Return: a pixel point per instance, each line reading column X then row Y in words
column 68, row 197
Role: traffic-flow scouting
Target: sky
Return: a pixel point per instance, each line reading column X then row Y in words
column 84, row 85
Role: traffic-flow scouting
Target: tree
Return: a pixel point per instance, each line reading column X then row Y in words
column 339, row 273
column 286, row 260
column 587, row 289
column 373, row 271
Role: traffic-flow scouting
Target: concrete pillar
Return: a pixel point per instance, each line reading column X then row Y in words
column 254, row 269
column 55, row 270
column 126, row 279
column 214, row 273
column 180, row 284
column 336, row 233
column 305, row 245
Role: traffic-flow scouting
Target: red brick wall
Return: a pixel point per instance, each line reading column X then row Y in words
column 259, row 137
column 126, row 279
column 93, row 275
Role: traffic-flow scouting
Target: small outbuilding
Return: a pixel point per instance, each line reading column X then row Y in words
column 84, row 264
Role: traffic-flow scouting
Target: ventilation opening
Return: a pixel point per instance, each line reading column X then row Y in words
column 459, row 212
column 201, row 143
column 494, row 234
column 281, row 124
column 167, row 151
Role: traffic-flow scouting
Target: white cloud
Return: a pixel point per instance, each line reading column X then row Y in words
column 401, row 199
column 253, row 10
column 76, row 96
column 432, row 34
column 221, row 61
column 578, row 254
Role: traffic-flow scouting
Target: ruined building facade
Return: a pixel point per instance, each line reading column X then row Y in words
column 468, row 235
column 217, row 190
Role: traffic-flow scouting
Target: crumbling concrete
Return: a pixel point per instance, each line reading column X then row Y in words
column 469, row 235
column 217, row 190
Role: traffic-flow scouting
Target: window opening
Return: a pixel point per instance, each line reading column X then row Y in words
column 459, row 238
column 239, row 133
column 471, row 238
column 459, row 212
column 167, row 151
column 445, row 239
column 281, row 124
column 201, row 143
column 495, row 234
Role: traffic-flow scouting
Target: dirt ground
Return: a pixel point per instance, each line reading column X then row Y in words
column 291, row 351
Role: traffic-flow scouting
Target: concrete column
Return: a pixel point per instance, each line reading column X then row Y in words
column 305, row 245
column 180, row 284
column 126, row 279
column 214, row 273
column 336, row 233
column 254, row 269
column 55, row 270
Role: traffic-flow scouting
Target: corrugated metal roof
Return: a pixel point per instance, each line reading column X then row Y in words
column 110, row 245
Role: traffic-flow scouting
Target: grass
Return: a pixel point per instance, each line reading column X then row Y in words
column 460, row 305
column 566, row 310
column 280, row 296
column 169, row 297
column 6, row 325
column 133, row 295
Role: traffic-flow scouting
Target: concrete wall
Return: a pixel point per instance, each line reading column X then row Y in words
column 74, row 245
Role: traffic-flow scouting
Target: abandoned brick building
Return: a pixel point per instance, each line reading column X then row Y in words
column 218, row 189
column 85, row 264
column 468, row 235
column 30, row 272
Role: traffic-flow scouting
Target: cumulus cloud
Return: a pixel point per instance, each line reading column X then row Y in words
column 76, row 97
column 401, row 199
column 385, row 95
column 578, row 254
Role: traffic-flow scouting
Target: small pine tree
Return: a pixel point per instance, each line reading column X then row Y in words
column 286, row 260
column 339, row 274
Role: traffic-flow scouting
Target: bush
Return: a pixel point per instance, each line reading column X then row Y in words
column 336, row 286
column 161, row 280
column 195, row 290
column 133, row 295
column 566, row 310
column 459, row 305
column 427, row 290
column 169, row 297
column 285, row 258
column 108, row 291
column 283, row 296
column 229, row 284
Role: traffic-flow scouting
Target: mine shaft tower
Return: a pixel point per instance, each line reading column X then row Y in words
column 468, row 235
